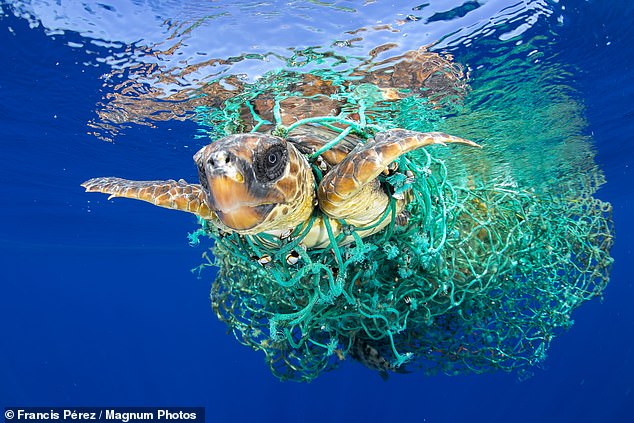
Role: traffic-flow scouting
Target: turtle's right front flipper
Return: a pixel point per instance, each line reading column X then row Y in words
column 351, row 191
column 177, row 195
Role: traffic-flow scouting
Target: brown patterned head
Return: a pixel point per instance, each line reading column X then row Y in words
column 256, row 182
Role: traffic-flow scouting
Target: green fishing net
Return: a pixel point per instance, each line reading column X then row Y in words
column 485, row 272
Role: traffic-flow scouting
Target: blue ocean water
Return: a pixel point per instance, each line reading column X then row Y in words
column 98, row 304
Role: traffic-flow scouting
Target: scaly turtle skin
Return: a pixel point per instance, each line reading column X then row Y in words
column 259, row 183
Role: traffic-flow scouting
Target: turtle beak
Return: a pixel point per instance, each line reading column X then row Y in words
column 226, row 194
column 225, row 181
column 229, row 194
column 233, row 203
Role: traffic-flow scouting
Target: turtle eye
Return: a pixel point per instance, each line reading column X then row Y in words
column 273, row 157
column 270, row 165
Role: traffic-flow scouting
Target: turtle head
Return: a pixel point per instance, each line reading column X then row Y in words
column 256, row 182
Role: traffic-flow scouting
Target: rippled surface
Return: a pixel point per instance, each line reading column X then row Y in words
column 169, row 53
column 549, row 87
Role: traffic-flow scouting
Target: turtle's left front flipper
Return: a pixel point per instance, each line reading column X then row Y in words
column 351, row 189
column 177, row 195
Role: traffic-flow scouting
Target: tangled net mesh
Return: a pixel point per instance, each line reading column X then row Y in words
column 482, row 277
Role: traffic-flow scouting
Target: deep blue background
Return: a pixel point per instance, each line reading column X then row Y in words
column 98, row 307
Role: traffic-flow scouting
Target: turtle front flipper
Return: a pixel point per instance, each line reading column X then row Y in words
column 177, row 195
column 351, row 190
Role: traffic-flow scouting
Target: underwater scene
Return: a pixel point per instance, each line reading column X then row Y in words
column 319, row 210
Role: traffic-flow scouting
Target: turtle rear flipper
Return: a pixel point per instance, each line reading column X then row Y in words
column 351, row 190
column 177, row 195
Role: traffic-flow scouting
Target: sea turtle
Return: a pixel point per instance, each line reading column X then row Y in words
column 320, row 177
column 409, row 295
column 260, row 183
column 257, row 182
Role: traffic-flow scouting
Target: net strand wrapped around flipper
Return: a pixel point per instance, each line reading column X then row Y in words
column 481, row 275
